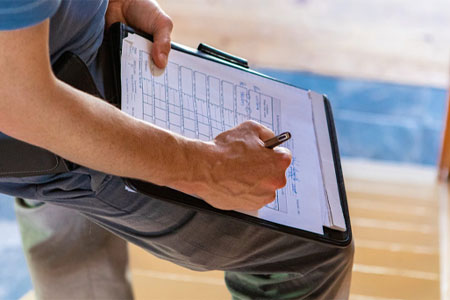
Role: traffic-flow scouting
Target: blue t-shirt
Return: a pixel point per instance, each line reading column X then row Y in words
column 75, row 25
column 16, row 14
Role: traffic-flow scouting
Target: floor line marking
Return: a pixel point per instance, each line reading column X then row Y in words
column 393, row 225
column 396, row 247
column 178, row 277
column 363, row 297
column 416, row 210
column 379, row 270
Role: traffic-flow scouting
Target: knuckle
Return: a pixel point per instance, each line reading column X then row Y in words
column 285, row 158
column 265, row 128
column 251, row 124
column 283, row 181
column 280, row 181
column 271, row 198
column 168, row 22
column 164, row 21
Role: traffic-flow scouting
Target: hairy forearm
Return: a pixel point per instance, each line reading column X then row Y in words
column 90, row 132
column 39, row 109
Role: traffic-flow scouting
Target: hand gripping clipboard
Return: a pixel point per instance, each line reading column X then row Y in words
column 342, row 237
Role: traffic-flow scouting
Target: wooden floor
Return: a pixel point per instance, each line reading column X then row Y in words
column 396, row 231
column 404, row 41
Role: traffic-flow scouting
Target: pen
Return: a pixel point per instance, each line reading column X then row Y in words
column 277, row 140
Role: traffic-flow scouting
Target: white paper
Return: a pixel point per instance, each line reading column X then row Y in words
column 200, row 99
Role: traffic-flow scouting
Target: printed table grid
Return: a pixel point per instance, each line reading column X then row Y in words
column 200, row 105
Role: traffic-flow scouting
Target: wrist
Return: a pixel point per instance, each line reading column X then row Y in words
column 193, row 172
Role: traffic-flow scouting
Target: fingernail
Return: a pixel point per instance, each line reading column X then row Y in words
column 163, row 58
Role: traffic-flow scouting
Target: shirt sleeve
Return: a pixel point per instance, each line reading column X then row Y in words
column 15, row 14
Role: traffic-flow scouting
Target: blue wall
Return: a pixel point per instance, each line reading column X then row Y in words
column 377, row 120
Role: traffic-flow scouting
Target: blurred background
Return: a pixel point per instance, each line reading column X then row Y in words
column 384, row 65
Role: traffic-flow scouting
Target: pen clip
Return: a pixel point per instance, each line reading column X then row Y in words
column 223, row 55
column 277, row 140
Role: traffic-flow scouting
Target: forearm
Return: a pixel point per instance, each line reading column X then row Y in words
column 90, row 132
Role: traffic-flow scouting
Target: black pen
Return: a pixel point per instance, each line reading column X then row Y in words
column 277, row 140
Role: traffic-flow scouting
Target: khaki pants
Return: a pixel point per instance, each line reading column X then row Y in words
column 70, row 257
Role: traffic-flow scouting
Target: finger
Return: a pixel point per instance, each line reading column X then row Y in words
column 281, row 181
column 284, row 156
column 162, row 28
column 262, row 131
column 265, row 133
column 270, row 198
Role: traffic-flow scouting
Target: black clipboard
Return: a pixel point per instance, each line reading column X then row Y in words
column 117, row 33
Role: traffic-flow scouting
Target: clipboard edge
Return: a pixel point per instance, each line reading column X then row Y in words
column 338, row 168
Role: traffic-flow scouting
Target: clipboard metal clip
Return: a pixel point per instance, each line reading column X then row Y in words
column 223, row 55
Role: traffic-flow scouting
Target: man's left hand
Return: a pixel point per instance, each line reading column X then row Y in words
column 145, row 15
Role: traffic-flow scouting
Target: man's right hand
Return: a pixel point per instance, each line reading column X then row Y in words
column 237, row 171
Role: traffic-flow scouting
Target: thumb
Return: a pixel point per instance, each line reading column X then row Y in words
column 162, row 28
column 262, row 131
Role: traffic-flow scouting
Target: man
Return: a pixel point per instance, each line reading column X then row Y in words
column 234, row 171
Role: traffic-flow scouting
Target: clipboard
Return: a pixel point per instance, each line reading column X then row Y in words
column 341, row 238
